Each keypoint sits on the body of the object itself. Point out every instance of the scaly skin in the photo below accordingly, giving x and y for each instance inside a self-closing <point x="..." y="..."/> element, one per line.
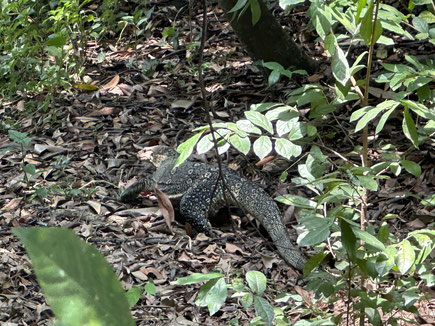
<point x="202" y="196"/>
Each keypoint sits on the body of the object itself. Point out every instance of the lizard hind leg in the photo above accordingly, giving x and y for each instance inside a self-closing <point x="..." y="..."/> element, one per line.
<point x="196" y="205"/>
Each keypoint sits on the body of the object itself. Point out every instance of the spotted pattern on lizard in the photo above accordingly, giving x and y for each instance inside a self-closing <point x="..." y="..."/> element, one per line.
<point x="195" y="185"/>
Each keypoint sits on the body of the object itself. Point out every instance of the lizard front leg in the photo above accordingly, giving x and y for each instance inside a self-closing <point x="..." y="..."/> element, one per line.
<point x="196" y="205"/>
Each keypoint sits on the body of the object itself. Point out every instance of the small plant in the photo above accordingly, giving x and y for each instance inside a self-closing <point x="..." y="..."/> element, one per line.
<point x="214" y="293"/>
<point x="22" y="139"/>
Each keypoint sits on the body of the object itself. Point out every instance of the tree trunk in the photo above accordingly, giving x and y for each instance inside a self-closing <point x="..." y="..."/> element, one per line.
<point x="267" y="40"/>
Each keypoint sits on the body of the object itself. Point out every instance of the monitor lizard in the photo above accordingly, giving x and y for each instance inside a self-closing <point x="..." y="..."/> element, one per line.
<point x="195" y="185"/>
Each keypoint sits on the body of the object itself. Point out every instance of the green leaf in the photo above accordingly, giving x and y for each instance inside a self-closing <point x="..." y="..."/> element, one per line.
<point x="242" y="144"/>
<point x="297" y="201"/>
<point x="369" y="116"/>
<point x="262" y="146"/>
<point x="315" y="235"/>
<point x="205" y="144"/>
<point x="29" y="169"/>
<point x="150" y="288"/>
<point x="197" y="278"/>
<point x="321" y="24"/>
<point x="213" y="295"/>
<point x="367" y="25"/>
<point x="409" y="128"/>
<point x="378" y="31"/>
<point x="368" y="182"/>
<point x="186" y="148"/>
<point x="79" y="285"/>
<point x="420" y="109"/>
<point x="330" y="44"/>
<point x="264" y="309"/>
<point x="239" y="5"/>
<point x="383" y="266"/>
<point x="313" y="262"/>
<point x="383" y="233"/>
<point x="286" y="148"/>
<point x="340" y="66"/>
<point x="260" y="120"/>
<point x="405" y="257"/>
<point x="57" y="39"/>
<point x="285" y="3"/>
<point x="348" y="238"/>
<point x="420" y="25"/>
<point x="273" y="77"/>
<point x="411" y="167"/>
<point x="383" y="119"/>
<point x="368" y="239"/>
<point x="19" y="137"/>
<point x="247" y="126"/>
<point x="256" y="281"/>
<point x="133" y="296"/>
<point x="255" y="11"/>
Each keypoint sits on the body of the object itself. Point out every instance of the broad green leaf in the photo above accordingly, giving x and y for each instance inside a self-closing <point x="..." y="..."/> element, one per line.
<point x="239" y="5"/>
<point x="409" y="128"/>
<point x="378" y="31"/>
<point x="297" y="201"/>
<point x="197" y="278"/>
<point x="368" y="182"/>
<point x="359" y="113"/>
<point x="348" y="238"/>
<point x="367" y="25"/>
<point x="286" y="148"/>
<point x="314" y="236"/>
<point x="133" y="295"/>
<point x="330" y="44"/>
<point x="79" y="285"/>
<point x="272" y="65"/>
<point x="368" y="239"/>
<point x="205" y="144"/>
<point x="213" y="295"/>
<point x="340" y="66"/>
<point x="297" y="131"/>
<point x="150" y="288"/>
<point x="273" y="77"/>
<point x="313" y="262"/>
<point x="384" y="265"/>
<point x="420" y="25"/>
<point x="256" y="281"/>
<point x="247" y="126"/>
<point x="260" y="120"/>
<point x="242" y="144"/>
<point x="186" y="148"/>
<point x="247" y="300"/>
<point x="260" y="107"/>
<point x="420" y="109"/>
<point x="29" y="169"/>
<point x="262" y="146"/>
<point x="321" y="24"/>
<point x="383" y="120"/>
<point x="361" y="5"/>
<point x="412" y="167"/>
<point x="366" y="118"/>
<point x="264" y="309"/>
<point x="383" y="233"/>
<point x="19" y="137"/>
<point x="255" y="11"/>
<point x="405" y="258"/>
<point x="285" y="3"/>
<point x="57" y="39"/>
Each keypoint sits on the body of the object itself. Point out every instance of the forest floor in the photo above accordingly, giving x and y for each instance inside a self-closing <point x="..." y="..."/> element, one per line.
<point x="85" y="149"/>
